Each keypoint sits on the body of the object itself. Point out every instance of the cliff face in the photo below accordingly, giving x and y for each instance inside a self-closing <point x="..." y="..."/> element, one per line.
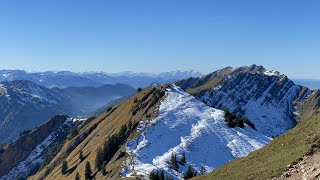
<point x="310" y="105"/>
<point x="267" y="98"/>
<point x="19" y="150"/>
<point x="93" y="136"/>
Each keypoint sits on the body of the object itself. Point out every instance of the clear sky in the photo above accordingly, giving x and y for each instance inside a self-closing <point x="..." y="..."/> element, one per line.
<point x="160" y="35"/>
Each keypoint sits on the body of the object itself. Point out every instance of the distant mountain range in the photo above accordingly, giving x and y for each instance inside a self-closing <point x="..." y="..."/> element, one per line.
<point x="310" y="83"/>
<point x="25" y="105"/>
<point x="63" y="79"/>
<point x="176" y="130"/>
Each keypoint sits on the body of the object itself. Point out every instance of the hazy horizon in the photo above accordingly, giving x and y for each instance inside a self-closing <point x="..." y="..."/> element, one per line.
<point x="150" y="73"/>
<point x="160" y="36"/>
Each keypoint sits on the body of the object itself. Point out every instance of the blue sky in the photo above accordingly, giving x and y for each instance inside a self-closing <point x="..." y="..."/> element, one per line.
<point x="160" y="35"/>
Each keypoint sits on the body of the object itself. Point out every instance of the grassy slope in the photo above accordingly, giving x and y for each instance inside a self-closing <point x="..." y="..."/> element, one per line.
<point x="107" y="124"/>
<point x="273" y="159"/>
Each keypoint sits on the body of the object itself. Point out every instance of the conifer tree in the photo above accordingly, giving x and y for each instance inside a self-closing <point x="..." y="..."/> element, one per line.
<point x="183" y="159"/>
<point x="88" y="171"/>
<point x="154" y="175"/>
<point x="189" y="173"/>
<point x="161" y="175"/>
<point x="99" y="159"/>
<point x="239" y="122"/>
<point x="103" y="169"/>
<point x="77" y="176"/>
<point x="64" y="167"/>
<point x="174" y="163"/>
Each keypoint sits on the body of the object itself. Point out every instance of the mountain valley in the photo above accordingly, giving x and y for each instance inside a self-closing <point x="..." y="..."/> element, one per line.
<point x="232" y="117"/>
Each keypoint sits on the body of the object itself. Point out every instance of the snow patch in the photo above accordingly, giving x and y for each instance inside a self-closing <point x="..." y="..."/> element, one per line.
<point x="272" y="73"/>
<point x="35" y="157"/>
<point x="186" y="125"/>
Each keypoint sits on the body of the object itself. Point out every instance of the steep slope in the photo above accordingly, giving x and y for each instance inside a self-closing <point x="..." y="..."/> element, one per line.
<point x="95" y="134"/>
<point x="281" y="158"/>
<point x="158" y="122"/>
<point x="186" y="125"/>
<point x="168" y="121"/>
<point x="25" y="105"/>
<point x="310" y="106"/>
<point x="267" y="98"/>
<point x="22" y="155"/>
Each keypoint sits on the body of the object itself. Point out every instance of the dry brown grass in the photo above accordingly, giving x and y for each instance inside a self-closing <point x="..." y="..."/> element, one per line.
<point x="106" y="124"/>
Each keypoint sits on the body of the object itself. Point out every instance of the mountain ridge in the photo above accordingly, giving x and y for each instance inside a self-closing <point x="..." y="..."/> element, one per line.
<point x="147" y="110"/>
<point x="25" y="105"/>
<point x="63" y="79"/>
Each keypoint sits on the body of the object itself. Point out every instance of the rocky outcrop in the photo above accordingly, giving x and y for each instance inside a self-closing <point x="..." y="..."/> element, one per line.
<point x="307" y="168"/>
<point x="22" y="147"/>
<point x="267" y="98"/>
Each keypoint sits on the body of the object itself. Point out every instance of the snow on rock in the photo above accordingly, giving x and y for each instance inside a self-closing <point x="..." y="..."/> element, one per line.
<point x="35" y="157"/>
<point x="272" y="73"/>
<point x="264" y="100"/>
<point x="4" y="91"/>
<point x="78" y="120"/>
<point x="186" y="125"/>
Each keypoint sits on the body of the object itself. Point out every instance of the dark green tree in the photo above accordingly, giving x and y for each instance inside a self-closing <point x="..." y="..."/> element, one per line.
<point x="103" y="169"/>
<point x="161" y="175"/>
<point x="183" y="159"/>
<point x="81" y="156"/>
<point x="77" y="176"/>
<point x="129" y="126"/>
<point x="174" y="162"/>
<point x="190" y="173"/>
<point x="231" y="124"/>
<point x="99" y="159"/>
<point x="226" y="113"/>
<point x="239" y="122"/>
<point x="154" y="175"/>
<point x="64" y="167"/>
<point x="88" y="171"/>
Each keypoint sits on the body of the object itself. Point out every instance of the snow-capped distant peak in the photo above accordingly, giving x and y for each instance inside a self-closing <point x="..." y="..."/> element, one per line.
<point x="272" y="73"/>
<point x="187" y="125"/>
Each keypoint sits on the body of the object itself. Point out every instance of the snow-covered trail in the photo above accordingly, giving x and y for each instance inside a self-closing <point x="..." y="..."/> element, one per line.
<point x="187" y="125"/>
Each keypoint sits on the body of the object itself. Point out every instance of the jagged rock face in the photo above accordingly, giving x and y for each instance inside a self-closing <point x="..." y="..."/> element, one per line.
<point x="311" y="105"/>
<point x="22" y="147"/>
<point x="264" y="97"/>
<point x="265" y="100"/>
<point x="187" y="126"/>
